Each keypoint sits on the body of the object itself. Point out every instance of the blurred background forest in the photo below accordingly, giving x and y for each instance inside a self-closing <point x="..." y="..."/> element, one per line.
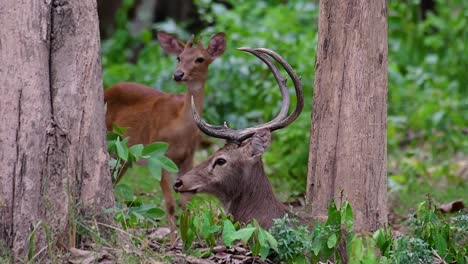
<point x="427" y="75"/>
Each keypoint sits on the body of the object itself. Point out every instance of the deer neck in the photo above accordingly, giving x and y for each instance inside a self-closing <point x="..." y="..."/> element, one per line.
<point x="257" y="200"/>
<point x="197" y="91"/>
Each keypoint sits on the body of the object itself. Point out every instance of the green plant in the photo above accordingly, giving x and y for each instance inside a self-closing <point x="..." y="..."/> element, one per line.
<point x="130" y="210"/>
<point x="410" y="250"/>
<point x="438" y="233"/>
<point x="293" y="239"/>
<point x="123" y="156"/>
<point x="200" y="223"/>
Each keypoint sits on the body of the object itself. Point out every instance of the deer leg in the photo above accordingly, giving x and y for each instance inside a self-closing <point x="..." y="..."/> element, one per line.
<point x="169" y="201"/>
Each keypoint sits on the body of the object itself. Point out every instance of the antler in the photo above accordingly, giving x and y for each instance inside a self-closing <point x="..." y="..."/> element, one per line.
<point x="280" y="121"/>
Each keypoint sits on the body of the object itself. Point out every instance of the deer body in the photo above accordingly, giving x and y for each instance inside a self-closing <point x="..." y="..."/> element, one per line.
<point x="152" y="115"/>
<point x="235" y="173"/>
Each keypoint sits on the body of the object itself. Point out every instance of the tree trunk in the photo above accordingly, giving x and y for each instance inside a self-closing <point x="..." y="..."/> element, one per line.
<point x="348" y="137"/>
<point x="52" y="139"/>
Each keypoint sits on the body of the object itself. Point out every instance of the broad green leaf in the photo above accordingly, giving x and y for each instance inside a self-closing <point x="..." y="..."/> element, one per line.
<point x="316" y="246"/>
<point x="119" y="130"/>
<point x="155" y="213"/>
<point x="132" y="220"/>
<point x="347" y="216"/>
<point x="331" y="242"/>
<point x="111" y="136"/>
<point x="122" y="149"/>
<point x="136" y="150"/>
<point x="119" y="217"/>
<point x="168" y="164"/>
<point x="244" y="234"/>
<point x="155" y="168"/>
<point x="356" y="249"/>
<point x="299" y="260"/>
<point x="156" y="148"/>
<point x="334" y="216"/>
<point x="228" y="231"/>
<point x="267" y="242"/>
<point x="164" y="162"/>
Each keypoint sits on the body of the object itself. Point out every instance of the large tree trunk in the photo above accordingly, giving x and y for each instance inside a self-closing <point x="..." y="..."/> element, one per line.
<point x="348" y="135"/>
<point x="52" y="137"/>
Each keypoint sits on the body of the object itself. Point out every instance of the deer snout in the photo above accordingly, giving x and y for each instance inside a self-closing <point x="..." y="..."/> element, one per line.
<point x="177" y="185"/>
<point x="178" y="75"/>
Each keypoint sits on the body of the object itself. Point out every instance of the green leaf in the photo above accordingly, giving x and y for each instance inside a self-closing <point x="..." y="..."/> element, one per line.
<point x="122" y="149"/>
<point x="123" y="192"/>
<point x="155" y="168"/>
<point x="228" y="231"/>
<point x="331" y="242"/>
<point x="356" y="248"/>
<point x="119" y="130"/>
<point x="186" y="232"/>
<point x="156" y="148"/>
<point x="32" y="241"/>
<point x="132" y="220"/>
<point x="155" y="213"/>
<point x="230" y="234"/>
<point x="168" y="164"/>
<point x="334" y="216"/>
<point x="136" y="150"/>
<point x="347" y="216"/>
<point x="266" y="241"/>
<point x="244" y="234"/>
<point x="300" y="259"/>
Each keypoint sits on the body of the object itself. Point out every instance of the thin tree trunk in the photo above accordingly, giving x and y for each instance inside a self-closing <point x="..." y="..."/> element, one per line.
<point x="52" y="147"/>
<point x="348" y="136"/>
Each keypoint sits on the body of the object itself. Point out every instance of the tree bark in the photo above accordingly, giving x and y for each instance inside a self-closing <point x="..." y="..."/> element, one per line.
<point x="52" y="139"/>
<point x="347" y="156"/>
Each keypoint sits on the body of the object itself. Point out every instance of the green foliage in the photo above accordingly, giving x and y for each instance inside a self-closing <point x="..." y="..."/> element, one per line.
<point x="293" y="239"/>
<point x="200" y="224"/>
<point x="297" y="244"/>
<point x="410" y="250"/>
<point x="427" y="114"/>
<point x="122" y="155"/>
<point x="439" y="234"/>
<point x="130" y="210"/>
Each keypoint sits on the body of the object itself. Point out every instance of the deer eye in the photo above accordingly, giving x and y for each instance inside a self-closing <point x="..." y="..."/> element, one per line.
<point x="199" y="60"/>
<point x="178" y="59"/>
<point x="220" y="162"/>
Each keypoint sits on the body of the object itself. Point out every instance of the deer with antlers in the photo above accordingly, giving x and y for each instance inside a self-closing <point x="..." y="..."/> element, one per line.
<point x="152" y="115"/>
<point x="235" y="173"/>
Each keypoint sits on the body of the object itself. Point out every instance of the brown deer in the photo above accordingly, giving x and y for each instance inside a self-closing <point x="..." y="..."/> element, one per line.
<point x="235" y="172"/>
<point x="152" y="115"/>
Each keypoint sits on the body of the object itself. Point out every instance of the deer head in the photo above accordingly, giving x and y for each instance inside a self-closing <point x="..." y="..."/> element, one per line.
<point x="193" y="61"/>
<point x="235" y="173"/>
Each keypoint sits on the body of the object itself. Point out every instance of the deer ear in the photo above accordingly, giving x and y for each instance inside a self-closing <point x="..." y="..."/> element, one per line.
<point x="217" y="45"/>
<point x="260" y="142"/>
<point x="170" y="44"/>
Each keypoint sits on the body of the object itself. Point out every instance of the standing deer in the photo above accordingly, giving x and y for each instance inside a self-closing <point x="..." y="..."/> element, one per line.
<point x="152" y="115"/>
<point x="235" y="172"/>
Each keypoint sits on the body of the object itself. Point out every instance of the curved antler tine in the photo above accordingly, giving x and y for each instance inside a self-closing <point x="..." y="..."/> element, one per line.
<point x="297" y="86"/>
<point x="200" y="43"/>
<point x="223" y="131"/>
<point x="277" y="123"/>
<point x="279" y="79"/>
<point x="272" y="126"/>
